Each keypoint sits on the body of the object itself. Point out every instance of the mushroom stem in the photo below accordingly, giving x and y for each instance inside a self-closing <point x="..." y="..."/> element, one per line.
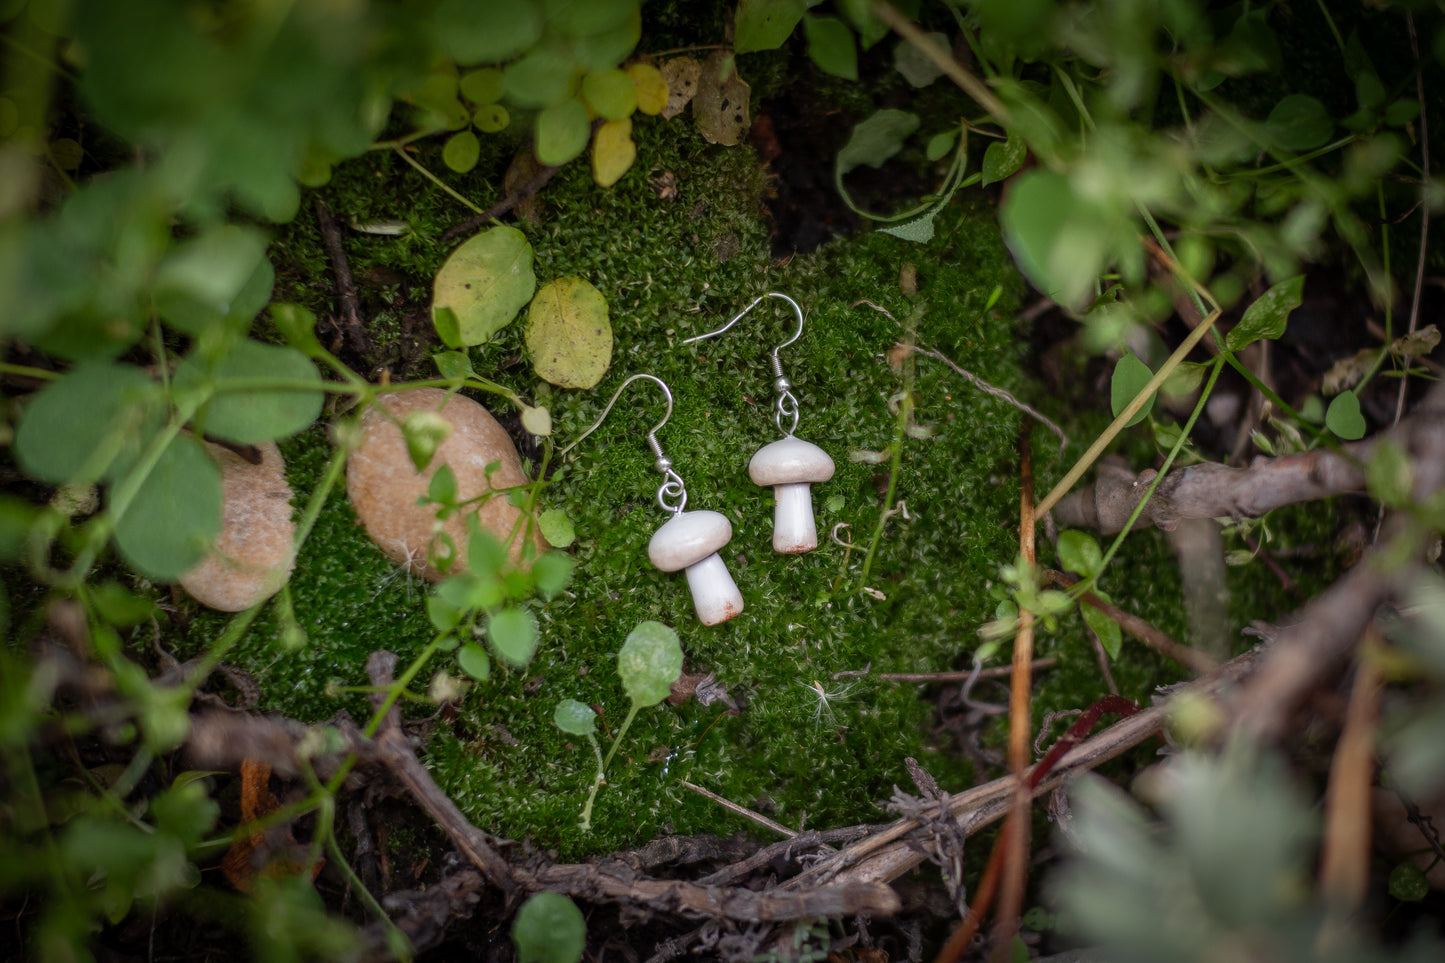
<point x="714" y="593"/>
<point x="794" y="530"/>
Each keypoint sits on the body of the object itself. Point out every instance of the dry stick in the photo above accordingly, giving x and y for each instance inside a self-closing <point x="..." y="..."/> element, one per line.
<point x="962" y="675"/>
<point x="1192" y="659"/>
<point x="1345" y="862"/>
<point x="741" y="810"/>
<point x="971" y="85"/>
<point x="890" y="853"/>
<point x="1020" y="736"/>
<point x="345" y="286"/>
<point x="611" y="882"/>
<point x="1125" y="416"/>
<point x="993" y="390"/>
<point x="538" y="181"/>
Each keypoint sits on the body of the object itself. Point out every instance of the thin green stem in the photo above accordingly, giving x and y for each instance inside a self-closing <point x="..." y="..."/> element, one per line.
<point x="25" y="371"/>
<point x="617" y="740"/>
<point x="436" y="180"/>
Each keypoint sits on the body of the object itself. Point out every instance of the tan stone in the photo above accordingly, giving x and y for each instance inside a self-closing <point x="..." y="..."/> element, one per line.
<point x="252" y="557"/>
<point x="384" y="485"/>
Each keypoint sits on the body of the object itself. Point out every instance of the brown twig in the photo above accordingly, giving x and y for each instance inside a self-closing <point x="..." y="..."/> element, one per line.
<point x="994" y="391"/>
<point x="345" y="286"/>
<point x="1192" y="659"/>
<point x="538" y="181"/>
<point x="1345" y="859"/>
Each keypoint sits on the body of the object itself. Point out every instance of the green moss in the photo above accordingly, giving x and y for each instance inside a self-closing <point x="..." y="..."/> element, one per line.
<point x="671" y="269"/>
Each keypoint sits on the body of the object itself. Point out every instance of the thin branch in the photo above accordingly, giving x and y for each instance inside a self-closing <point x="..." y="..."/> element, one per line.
<point x="1424" y="208"/>
<point x="740" y="810"/>
<point x="1192" y="659"/>
<point x="995" y="391"/>
<point x="345" y="286"/>
<point x="538" y="181"/>
<point x="970" y="84"/>
<point x="962" y="675"/>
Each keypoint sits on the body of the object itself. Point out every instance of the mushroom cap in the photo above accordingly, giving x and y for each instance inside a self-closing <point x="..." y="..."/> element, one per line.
<point x="688" y="538"/>
<point x="790" y="461"/>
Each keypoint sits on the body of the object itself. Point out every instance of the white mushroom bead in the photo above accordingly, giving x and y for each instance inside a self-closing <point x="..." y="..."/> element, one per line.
<point x="791" y="465"/>
<point x="691" y="541"/>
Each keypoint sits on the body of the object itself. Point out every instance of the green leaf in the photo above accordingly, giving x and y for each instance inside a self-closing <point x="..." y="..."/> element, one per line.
<point x="453" y="365"/>
<point x="424" y="431"/>
<point x="1080" y="553"/>
<point x="1267" y="317"/>
<point x="546" y="76"/>
<point x="474" y="661"/>
<point x="608" y="48"/>
<point x="176" y="514"/>
<point x="88" y="424"/>
<point x="1402" y="112"/>
<point x="461" y="151"/>
<point x="250" y="415"/>
<point x="513" y="634"/>
<point x="1060" y="241"/>
<point x="1002" y="159"/>
<point x="482" y="86"/>
<point x="831" y="47"/>
<point x="549" y="929"/>
<point x="552" y="571"/>
<point x="1388" y="474"/>
<point x="221" y="274"/>
<point x="1130" y="377"/>
<point x="1299" y="122"/>
<point x="119" y="607"/>
<point x="939" y="145"/>
<point x="1110" y="636"/>
<point x="860" y="14"/>
<point x="298" y="326"/>
<point x="562" y="132"/>
<point x="486" y="555"/>
<point x="649" y="663"/>
<point x="919" y="230"/>
<point x="569" y="334"/>
<point x="557" y="528"/>
<point x="484" y="283"/>
<point x="1343" y="416"/>
<point x="498" y="32"/>
<point x="444" y="615"/>
<point x="875" y="139"/>
<point x="610" y="93"/>
<point x="442" y="489"/>
<point x="575" y="717"/>
<point x="1408" y="883"/>
<point x="491" y="118"/>
<point x="915" y="66"/>
<point x="765" y="24"/>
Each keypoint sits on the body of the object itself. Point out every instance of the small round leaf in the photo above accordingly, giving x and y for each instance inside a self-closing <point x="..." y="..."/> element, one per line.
<point x="557" y="528"/>
<point x="461" y="151"/>
<point x="96" y="409"/>
<point x="474" y="662"/>
<point x="249" y="415"/>
<point x="483" y="285"/>
<point x="1079" y="552"/>
<point x="651" y="87"/>
<point x="491" y="118"/>
<point x="569" y="334"/>
<point x="1408" y="883"/>
<point x="549" y="929"/>
<point x="482" y="86"/>
<point x="513" y="634"/>
<point x="537" y="420"/>
<point x="1130" y="377"/>
<point x="610" y="94"/>
<point x="575" y="717"/>
<point x="649" y="663"/>
<point x="1344" y="418"/>
<point x="613" y="151"/>
<point x="562" y="132"/>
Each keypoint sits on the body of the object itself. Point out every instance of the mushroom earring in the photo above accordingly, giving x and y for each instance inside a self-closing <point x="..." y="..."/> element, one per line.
<point x="689" y="540"/>
<point x="790" y="465"/>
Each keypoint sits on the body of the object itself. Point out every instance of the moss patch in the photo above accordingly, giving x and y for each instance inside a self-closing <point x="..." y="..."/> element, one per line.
<point x="670" y="269"/>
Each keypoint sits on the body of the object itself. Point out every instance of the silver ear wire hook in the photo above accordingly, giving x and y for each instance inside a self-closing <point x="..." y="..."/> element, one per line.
<point x="785" y="406"/>
<point x="672" y="489"/>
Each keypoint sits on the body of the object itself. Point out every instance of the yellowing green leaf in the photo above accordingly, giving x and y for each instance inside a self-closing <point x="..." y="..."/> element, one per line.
<point x="720" y="106"/>
<point x="652" y="92"/>
<point x="491" y="118"/>
<point x="461" y="151"/>
<point x="612" y="151"/>
<point x="482" y="86"/>
<point x="610" y="94"/>
<point x="482" y="286"/>
<point x="569" y="334"/>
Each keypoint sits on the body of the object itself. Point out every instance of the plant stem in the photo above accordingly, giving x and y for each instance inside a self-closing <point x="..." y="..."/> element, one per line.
<point x="617" y="739"/>
<point x="436" y="180"/>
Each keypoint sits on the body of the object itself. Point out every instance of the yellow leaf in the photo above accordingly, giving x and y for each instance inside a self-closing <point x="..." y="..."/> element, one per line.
<point x="569" y="334"/>
<point x="612" y="151"/>
<point x="652" y="92"/>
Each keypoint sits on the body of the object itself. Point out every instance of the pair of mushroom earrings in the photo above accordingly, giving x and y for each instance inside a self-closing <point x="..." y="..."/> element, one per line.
<point x="693" y="540"/>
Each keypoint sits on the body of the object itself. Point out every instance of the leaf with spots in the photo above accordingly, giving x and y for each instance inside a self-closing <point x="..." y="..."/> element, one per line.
<point x="569" y="333"/>
<point x="720" y="107"/>
<point x="482" y="286"/>
<point x="681" y="75"/>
